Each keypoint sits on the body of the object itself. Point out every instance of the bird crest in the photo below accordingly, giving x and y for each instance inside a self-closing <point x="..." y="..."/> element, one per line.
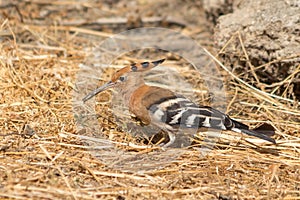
<point x="136" y="67"/>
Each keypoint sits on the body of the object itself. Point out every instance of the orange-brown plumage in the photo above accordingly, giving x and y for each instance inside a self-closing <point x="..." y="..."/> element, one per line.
<point x="119" y="73"/>
<point x="143" y="98"/>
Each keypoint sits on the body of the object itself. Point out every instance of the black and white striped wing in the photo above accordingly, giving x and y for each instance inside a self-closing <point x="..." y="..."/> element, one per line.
<point x="179" y="112"/>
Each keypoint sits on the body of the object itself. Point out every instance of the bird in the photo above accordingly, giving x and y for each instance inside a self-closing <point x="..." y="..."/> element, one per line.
<point x="169" y="111"/>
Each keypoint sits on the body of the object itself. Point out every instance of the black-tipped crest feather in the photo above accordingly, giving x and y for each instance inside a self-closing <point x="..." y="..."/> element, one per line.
<point x="157" y="62"/>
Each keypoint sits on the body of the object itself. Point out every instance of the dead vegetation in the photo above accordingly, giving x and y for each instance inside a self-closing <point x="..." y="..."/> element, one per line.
<point x="41" y="155"/>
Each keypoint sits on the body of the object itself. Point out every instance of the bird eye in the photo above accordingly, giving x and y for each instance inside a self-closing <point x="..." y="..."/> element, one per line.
<point x="122" y="78"/>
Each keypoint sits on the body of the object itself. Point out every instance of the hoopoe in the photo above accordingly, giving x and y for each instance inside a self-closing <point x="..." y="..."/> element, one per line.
<point x="167" y="110"/>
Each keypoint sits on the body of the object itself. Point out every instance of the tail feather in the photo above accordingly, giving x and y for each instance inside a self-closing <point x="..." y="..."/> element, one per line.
<point x="238" y="125"/>
<point x="265" y="129"/>
<point x="258" y="135"/>
<point x="263" y="132"/>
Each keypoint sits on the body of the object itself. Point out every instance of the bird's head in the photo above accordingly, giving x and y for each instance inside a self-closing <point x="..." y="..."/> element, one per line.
<point x="123" y="76"/>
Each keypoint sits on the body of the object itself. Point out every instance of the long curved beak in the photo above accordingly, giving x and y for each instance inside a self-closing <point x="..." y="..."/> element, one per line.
<point x="98" y="90"/>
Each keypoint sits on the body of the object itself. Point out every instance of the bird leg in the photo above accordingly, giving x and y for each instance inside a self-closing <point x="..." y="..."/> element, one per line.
<point x="172" y="139"/>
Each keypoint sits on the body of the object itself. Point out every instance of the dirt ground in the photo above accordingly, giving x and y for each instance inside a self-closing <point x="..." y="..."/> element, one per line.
<point x="46" y="44"/>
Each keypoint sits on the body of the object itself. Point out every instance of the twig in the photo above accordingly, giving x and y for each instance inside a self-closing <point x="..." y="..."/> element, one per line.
<point x="123" y="21"/>
<point x="247" y="58"/>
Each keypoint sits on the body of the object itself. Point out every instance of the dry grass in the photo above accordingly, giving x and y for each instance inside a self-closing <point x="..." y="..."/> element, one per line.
<point x="42" y="157"/>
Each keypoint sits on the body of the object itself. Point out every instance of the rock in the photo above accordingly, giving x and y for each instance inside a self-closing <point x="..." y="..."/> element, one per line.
<point x="270" y="32"/>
